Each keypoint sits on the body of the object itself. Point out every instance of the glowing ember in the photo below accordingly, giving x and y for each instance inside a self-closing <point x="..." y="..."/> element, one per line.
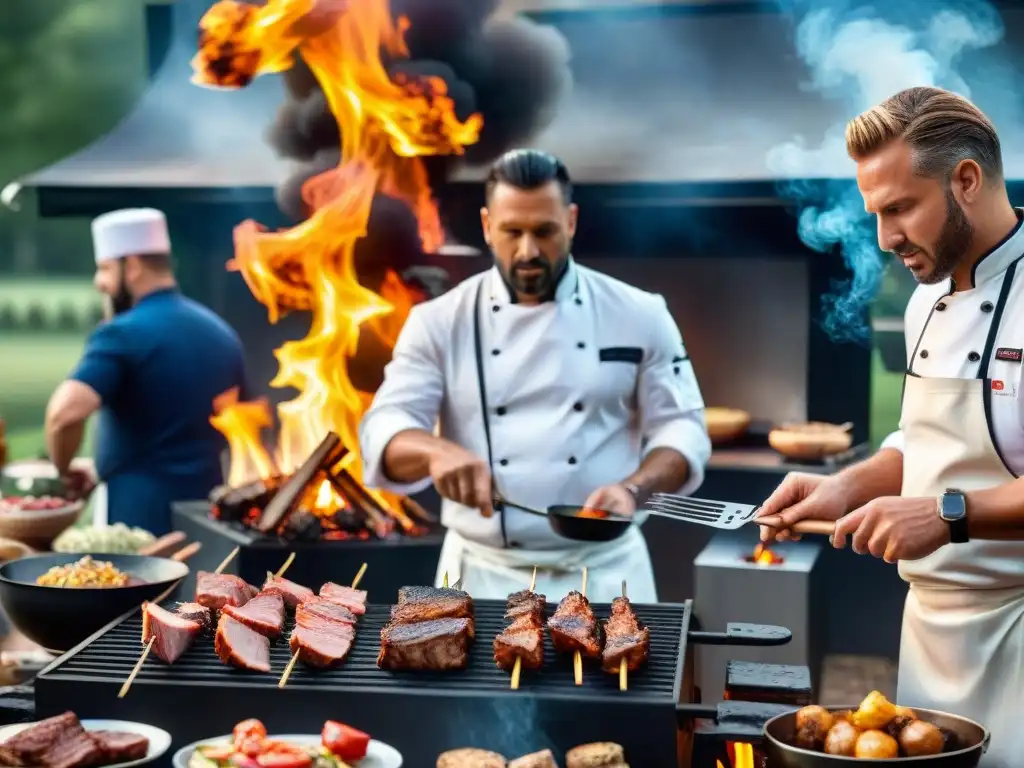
<point x="762" y="555"/>
<point x="741" y="755"/>
<point x="386" y="127"/>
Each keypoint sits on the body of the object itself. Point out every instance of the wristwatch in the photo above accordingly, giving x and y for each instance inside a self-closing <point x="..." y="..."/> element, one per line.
<point x="953" y="510"/>
<point x="639" y="495"/>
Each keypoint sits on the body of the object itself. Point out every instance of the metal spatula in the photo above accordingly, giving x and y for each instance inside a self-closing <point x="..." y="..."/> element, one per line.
<point x="724" y="515"/>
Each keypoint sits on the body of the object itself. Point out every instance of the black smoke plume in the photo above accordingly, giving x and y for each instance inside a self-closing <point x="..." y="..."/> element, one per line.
<point x="512" y="71"/>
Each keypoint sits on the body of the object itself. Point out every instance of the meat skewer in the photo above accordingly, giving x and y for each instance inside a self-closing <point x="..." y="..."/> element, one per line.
<point x="149" y="646"/>
<point x="297" y="651"/>
<point x="627" y="642"/>
<point x="523" y="613"/>
<point x="574" y="629"/>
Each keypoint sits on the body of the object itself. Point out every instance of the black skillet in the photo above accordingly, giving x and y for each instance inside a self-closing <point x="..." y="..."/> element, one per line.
<point x="59" y="618"/>
<point x="566" y="521"/>
<point x="967" y="744"/>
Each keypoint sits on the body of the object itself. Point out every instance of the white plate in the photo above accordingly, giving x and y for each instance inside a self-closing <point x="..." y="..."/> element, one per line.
<point x="378" y="754"/>
<point x="159" y="739"/>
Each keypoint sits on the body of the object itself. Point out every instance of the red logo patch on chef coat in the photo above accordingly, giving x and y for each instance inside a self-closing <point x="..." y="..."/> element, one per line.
<point x="997" y="385"/>
<point x="1010" y="355"/>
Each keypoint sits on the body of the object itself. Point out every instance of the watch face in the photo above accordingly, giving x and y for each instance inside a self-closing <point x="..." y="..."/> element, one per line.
<point x="954" y="506"/>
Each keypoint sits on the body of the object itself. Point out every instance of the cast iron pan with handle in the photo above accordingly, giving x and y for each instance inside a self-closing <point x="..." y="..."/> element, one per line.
<point x="59" y="618"/>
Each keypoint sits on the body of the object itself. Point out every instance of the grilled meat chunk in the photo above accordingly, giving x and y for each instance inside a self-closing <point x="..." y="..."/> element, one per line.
<point x="197" y="612"/>
<point x="524" y="637"/>
<point x="603" y="754"/>
<point x="121" y="747"/>
<point x="72" y="749"/>
<point x="326" y="609"/>
<point x="353" y="599"/>
<point x="573" y="626"/>
<point x="440" y="644"/>
<point x="29" y="746"/>
<point x="293" y="594"/>
<point x="215" y="590"/>
<point x="624" y="638"/>
<point x="470" y="758"/>
<point x="323" y="634"/>
<point x="240" y="646"/>
<point x="428" y="603"/>
<point x="264" y="614"/>
<point x="171" y="633"/>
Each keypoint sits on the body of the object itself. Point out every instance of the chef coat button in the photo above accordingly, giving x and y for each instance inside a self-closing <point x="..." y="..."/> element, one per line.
<point x="577" y="406"/>
<point x="940" y="306"/>
<point x="675" y="370"/>
<point x="924" y="353"/>
<point x="973" y="357"/>
<point x="986" y="306"/>
<point x="580" y="345"/>
<point x="500" y="410"/>
<point x="495" y="352"/>
<point x="572" y="459"/>
<point x="504" y="462"/>
<point x="579" y="302"/>
<point x="495" y="308"/>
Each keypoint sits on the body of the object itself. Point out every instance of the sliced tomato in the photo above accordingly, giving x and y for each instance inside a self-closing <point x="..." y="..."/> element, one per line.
<point x="344" y="741"/>
<point x="243" y="761"/>
<point x="248" y="729"/>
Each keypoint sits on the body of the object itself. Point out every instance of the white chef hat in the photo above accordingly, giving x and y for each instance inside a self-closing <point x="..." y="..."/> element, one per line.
<point x="128" y="232"/>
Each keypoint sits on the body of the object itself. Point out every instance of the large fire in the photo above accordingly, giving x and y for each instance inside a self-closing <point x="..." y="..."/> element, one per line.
<point x="741" y="755"/>
<point x="386" y="126"/>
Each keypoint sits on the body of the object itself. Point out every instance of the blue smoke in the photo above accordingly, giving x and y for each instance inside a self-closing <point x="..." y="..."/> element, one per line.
<point x="860" y="55"/>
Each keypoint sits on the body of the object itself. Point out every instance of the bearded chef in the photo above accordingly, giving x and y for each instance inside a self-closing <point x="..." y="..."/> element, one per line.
<point x="550" y="383"/>
<point x="942" y="497"/>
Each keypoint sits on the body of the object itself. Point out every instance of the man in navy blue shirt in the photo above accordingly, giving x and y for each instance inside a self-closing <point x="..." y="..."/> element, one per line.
<point x="152" y="371"/>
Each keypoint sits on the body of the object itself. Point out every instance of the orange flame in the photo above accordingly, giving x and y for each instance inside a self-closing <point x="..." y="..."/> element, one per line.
<point x="741" y="755"/>
<point x="764" y="556"/>
<point x="386" y="127"/>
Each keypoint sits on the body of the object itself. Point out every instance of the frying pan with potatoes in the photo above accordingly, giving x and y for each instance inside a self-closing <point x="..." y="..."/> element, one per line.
<point x="876" y="730"/>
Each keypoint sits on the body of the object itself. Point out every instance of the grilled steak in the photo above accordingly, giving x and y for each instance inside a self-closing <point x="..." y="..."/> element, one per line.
<point x="73" y="748"/>
<point x="470" y="758"/>
<point x="322" y="643"/>
<point x="543" y="759"/>
<point x="171" y="633"/>
<point x="353" y="599"/>
<point x="624" y="638"/>
<point x="290" y="592"/>
<point x="121" y="747"/>
<point x="573" y="626"/>
<point x="215" y="590"/>
<point x="325" y="609"/>
<point x="603" y="754"/>
<point x="197" y="612"/>
<point x="240" y="646"/>
<point x="28" y="746"/>
<point x="427" y="603"/>
<point x="437" y="645"/>
<point x="264" y="614"/>
<point x="524" y="637"/>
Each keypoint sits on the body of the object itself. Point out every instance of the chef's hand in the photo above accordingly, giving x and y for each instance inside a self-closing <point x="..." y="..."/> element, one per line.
<point x="893" y="528"/>
<point x="803" y="496"/>
<point x="464" y="478"/>
<point x="612" y="498"/>
<point x="78" y="484"/>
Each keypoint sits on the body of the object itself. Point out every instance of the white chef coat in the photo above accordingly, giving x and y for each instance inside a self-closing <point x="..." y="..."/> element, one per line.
<point x="578" y="391"/>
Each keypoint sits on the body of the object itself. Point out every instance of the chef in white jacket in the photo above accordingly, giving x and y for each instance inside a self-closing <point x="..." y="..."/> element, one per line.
<point x="549" y="383"/>
<point x="943" y="496"/>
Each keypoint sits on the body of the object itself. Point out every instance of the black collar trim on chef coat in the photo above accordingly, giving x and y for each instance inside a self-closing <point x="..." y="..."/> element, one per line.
<point x="562" y="289"/>
<point x="995" y="261"/>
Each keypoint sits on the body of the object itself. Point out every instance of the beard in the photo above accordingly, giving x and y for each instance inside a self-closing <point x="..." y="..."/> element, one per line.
<point x="954" y="242"/>
<point x="121" y="300"/>
<point x="540" y="285"/>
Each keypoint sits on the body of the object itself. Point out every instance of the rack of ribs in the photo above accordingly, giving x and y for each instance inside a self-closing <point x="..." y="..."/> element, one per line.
<point x="431" y="628"/>
<point x="524" y="637"/>
<point x="625" y="638"/>
<point x="573" y="626"/>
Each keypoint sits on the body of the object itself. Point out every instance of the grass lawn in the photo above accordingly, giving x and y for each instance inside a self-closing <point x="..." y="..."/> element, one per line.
<point x="886" y="393"/>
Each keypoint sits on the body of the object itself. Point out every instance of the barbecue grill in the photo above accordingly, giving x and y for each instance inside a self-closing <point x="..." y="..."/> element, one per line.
<point x="422" y="714"/>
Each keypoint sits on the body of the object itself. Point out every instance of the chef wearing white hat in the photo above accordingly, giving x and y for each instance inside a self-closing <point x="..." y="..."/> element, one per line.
<point x="152" y="371"/>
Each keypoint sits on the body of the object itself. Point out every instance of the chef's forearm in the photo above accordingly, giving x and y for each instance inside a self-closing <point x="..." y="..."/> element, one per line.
<point x="997" y="513"/>
<point x="881" y="475"/>
<point x="63" y="442"/>
<point x="663" y="470"/>
<point x="408" y="455"/>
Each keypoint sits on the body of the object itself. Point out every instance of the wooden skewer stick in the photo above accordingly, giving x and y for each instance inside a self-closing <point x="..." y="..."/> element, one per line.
<point x="517" y="669"/>
<point x="286" y="566"/>
<point x="577" y="658"/>
<point x="149" y="646"/>
<point x="295" y="656"/>
<point x="445" y="582"/>
<point x="622" y="662"/>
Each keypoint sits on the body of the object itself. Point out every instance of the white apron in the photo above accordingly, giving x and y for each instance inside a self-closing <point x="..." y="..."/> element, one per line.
<point x="492" y="573"/>
<point x="962" y="643"/>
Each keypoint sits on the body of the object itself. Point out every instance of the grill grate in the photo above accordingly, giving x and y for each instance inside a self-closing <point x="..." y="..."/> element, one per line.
<point x="111" y="656"/>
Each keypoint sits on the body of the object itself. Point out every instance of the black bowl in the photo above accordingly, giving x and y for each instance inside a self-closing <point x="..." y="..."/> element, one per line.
<point x="971" y="741"/>
<point x="59" y="618"/>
